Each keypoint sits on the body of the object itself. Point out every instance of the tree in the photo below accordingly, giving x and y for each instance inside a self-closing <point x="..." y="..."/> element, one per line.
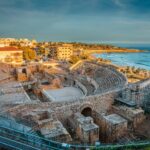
<point x="84" y="56"/>
<point x="41" y="50"/>
<point x="28" y="53"/>
<point x="74" y="59"/>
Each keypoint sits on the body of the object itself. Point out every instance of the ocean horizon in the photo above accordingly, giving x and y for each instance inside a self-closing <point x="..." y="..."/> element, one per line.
<point x="138" y="60"/>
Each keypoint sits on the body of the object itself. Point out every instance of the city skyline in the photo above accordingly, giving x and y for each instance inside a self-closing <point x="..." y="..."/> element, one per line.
<point x="111" y="21"/>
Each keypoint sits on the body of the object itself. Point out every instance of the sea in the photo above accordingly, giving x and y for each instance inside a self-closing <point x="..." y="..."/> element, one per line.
<point x="138" y="60"/>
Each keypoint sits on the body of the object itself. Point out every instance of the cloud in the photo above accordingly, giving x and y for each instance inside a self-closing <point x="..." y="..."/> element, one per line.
<point x="75" y="20"/>
<point x="119" y="3"/>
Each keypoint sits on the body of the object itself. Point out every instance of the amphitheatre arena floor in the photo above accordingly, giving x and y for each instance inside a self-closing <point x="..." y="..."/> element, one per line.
<point x="64" y="94"/>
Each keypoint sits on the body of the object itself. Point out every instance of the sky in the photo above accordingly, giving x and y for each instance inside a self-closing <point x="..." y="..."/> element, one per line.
<point x="100" y="21"/>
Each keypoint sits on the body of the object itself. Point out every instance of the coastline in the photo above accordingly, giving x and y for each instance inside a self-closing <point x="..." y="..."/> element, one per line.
<point x="114" y="51"/>
<point x="133" y="73"/>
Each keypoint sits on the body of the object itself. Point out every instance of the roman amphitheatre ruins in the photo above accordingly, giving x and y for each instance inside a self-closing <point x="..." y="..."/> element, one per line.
<point x="86" y="104"/>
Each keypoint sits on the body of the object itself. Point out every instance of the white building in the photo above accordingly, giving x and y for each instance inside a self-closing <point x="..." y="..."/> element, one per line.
<point x="64" y="52"/>
<point x="11" y="55"/>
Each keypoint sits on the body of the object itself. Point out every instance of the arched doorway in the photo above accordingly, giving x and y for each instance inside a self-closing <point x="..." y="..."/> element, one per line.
<point x="87" y="112"/>
<point x="24" y="70"/>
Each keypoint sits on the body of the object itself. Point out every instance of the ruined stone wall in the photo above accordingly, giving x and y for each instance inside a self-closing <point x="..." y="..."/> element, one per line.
<point x="22" y="77"/>
<point x="98" y="119"/>
<point x="114" y="132"/>
<point x="81" y="86"/>
<point x="33" y="68"/>
<point x="23" y="73"/>
<point x="109" y="132"/>
<point x="138" y="92"/>
<point x="134" y="119"/>
<point x="138" y="120"/>
<point x="100" y="103"/>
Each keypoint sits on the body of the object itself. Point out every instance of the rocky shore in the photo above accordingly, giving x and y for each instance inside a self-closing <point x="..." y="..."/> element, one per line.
<point x="133" y="74"/>
<point x="113" y="51"/>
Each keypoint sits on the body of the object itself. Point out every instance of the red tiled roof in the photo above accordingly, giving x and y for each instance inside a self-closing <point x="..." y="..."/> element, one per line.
<point x="9" y="49"/>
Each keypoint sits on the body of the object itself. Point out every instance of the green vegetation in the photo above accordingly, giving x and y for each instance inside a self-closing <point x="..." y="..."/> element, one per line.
<point x="74" y="59"/>
<point x="28" y="54"/>
<point x="147" y="148"/>
<point x="128" y="147"/>
<point x="79" y="45"/>
<point x="41" y="51"/>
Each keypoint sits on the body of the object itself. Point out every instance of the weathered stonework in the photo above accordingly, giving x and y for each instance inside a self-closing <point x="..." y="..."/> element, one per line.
<point x="112" y="127"/>
<point x="133" y="115"/>
<point x="100" y="103"/>
<point x="136" y="94"/>
<point x="91" y="112"/>
<point x="85" y="129"/>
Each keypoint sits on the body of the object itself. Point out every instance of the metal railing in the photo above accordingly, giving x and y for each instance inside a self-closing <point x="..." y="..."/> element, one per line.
<point x="13" y="138"/>
<point x="17" y="139"/>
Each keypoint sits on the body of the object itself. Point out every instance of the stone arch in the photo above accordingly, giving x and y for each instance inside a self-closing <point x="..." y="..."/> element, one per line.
<point x="24" y="70"/>
<point x="86" y="109"/>
<point x="87" y="112"/>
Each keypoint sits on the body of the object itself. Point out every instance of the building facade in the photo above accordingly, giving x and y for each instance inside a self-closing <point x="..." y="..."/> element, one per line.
<point x="64" y="52"/>
<point x="11" y="55"/>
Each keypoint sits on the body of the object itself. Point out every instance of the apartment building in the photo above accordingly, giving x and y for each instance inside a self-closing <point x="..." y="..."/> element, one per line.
<point x="64" y="52"/>
<point x="11" y="55"/>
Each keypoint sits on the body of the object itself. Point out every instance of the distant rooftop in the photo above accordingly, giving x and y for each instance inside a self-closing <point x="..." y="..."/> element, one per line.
<point x="9" y="48"/>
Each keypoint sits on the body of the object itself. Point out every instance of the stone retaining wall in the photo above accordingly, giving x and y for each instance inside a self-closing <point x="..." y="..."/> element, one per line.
<point x="100" y="103"/>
